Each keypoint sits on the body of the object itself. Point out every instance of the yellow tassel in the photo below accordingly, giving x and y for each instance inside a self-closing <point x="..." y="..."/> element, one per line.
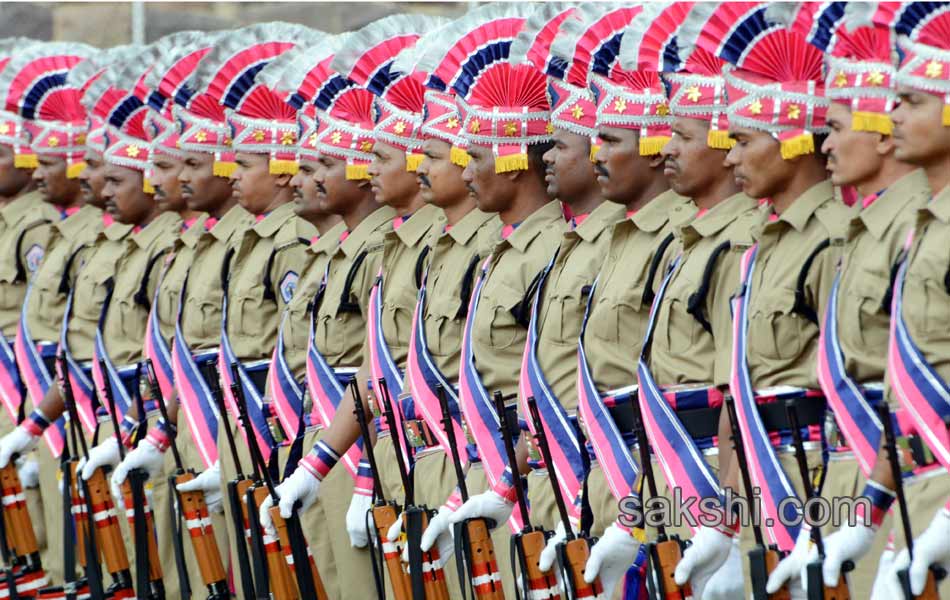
<point x="946" y="115"/>
<point x="73" y="170"/>
<point x="357" y="171"/>
<point x="283" y="167"/>
<point x="653" y="144"/>
<point x="26" y="161"/>
<point x="719" y="139"/>
<point x="459" y="157"/>
<point x="223" y="168"/>
<point x="797" y="146"/>
<point x="511" y="162"/>
<point x="869" y="121"/>
<point x="413" y="161"/>
<point x="594" y="149"/>
<point x="147" y="186"/>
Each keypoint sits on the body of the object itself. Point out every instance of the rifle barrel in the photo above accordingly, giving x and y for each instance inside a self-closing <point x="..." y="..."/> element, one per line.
<point x="512" y="458"/>
<point x="367" y="443"/>
<point x="741" y="462"/>
<point x="449" y="427"/>
<point x="541" y="437"/>
<point x="160" y="399"/>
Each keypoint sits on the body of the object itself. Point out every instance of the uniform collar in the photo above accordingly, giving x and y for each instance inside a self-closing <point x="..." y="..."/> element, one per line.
<point x="87" y="216"/>
<point x="274" y="220"/>
<point x="939" y="206"/>
<point x="879" y="216"/>
<point x="194" y="231"/>
<point x="117" y="231"/>
<point x="328" y="241"/>
<point x="412" y="230"/>
<point x="21" y="206"/>
<point x="657" y="212"/>
<point x="373" y="221"/>
<point x="720" y="216"/>
<point x="598" y="220"/>
<point x="803" y="208"/>
<point x="531" y="227"/>
<point x="236" y="218"/>
<point x="463" y="231"/>
<point x="165" y="225"/>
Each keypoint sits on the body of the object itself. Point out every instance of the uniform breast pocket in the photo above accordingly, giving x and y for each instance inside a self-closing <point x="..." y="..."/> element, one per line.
<point x="398" y="307"/>
<point x="495" y="325"/>
<point x="330" y="333"/>
<point x="251" y="316"/>
<point x="617" y="318"/>
<point x="775" y="331"/>
<point x="864" y="301"/>
<point x="934" y="307"/>
<point x="566" y="310"/>
<point x="443" y="331"/>
<point x="681" y="329"/>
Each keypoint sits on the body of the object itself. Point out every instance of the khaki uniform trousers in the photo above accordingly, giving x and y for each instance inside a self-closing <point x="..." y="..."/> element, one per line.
<point x="604" y="507"/>
<point x="229" y="472"/>
<point x="541" y="503"/>
<point x="926" y="494"/>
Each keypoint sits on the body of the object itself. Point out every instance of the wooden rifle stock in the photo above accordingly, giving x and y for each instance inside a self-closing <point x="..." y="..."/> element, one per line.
<point x="78" y="511"/>
<point x="20" y="534"/>
<point x="154" y="562"/>
<point x="384" y="515"/>
<point x="282" y="584"/>
<point x="433" y="577"/>
<point x="574" y="554"/>
<point x="108" y="534"/>
<point x="283" y="536"/>
<point x="198" y="522"/>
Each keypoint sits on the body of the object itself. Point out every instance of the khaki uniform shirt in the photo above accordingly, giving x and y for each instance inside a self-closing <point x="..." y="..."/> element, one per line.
<point x="563" y="299"/>
<point x="297" y="319"/>
<point x="498" y="338"/>
<point x="926" y="298"/>
<point x="621" y="306"/>
<point x="174" y="271"/>
<point x="876" y="236"/>
<point x="24" y="237"/>
<point x="402" y="269"/>
<point x="264" y="272"/>
<point x="136" y="278"/>
<point x="340" y="322"/>
<point x="201" y="315"/>
<point x="682" y="351"/>
<point x="453" y="263"/>
<point x="782" y="342"/>
<point x="51" y="282"/>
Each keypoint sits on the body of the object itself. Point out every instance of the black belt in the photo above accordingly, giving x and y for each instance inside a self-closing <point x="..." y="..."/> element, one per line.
<point x="704" y="422"/>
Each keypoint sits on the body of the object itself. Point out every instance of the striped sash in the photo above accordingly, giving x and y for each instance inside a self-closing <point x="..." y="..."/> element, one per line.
<point x="109" y="375"/>
<point x="84" y="394"/>
<point x="156" y="346"/>
<point x="764" y="468"/>
<point x="11" y="387"/>
<point x="286" y="392"/>
<point x="679" y="456"/>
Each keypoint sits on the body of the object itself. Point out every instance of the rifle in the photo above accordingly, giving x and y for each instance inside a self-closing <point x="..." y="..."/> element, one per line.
<point x="191" y="506"/>
<point x="106" y="537"/>
<point x="290" y="536"/>
<point x="574" y="551"/>
<point x="762" y="559"/>
<point x="384" y="512"/>
<point x="935" y="573"/>
<point x="19" y="535"/>
<point x="473" y="542"/>
<point x="425" y="584"/>
<point x="527" y="544"/>
<point x="666" y="550"/>
<point x="816" y="583"/>
<point x="147" y="564"/>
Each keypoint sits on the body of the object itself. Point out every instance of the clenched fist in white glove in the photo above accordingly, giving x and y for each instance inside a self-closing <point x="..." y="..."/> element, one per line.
<point x="301" y="486"/>
<point x="549" y="554"/>
<point x="932" y="547"/>
<point x="356" y="525"/>
<point x="439" y="532"/>
<point x="724" y="583"/>
<point x="105" y="454"/>
<point x="487" y="505"/>
<point x="848" y="543"/>
<point x="145" y="456"/>
<point x="610" y="558"/>
<point x="886" y="586"/>
<point x="208" y="482"/>
<point x="28" y="470"/>
<point x="18" y="441"/>
<point x="792" y="568"/>
<point x="709" y="550"/>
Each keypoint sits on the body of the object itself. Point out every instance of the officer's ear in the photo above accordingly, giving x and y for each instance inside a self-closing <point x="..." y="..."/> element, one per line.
<point x="283" y="180"/>
<point x="656" y="161"/>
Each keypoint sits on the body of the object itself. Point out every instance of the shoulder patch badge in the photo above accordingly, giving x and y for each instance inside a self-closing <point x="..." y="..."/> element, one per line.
<point x="34" y="256"/>
<point x="288" y="284"/>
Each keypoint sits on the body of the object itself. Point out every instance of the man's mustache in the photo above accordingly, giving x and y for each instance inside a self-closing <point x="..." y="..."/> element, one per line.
<point x="601" y="170"/>
<point x="424" y="181"/>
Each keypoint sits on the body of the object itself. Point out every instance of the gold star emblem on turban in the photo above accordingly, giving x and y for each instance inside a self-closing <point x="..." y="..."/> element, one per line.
<point x="259" y="135"/>
<point x="399" y="127"/>
<point x="662" y="110"/>
<point x="453" y="123"/>
<point x="755" y="108"/>
<point x="794" y="111"/>
<point x="549" y="128"/>
<point x="201" y="136"/>
<point x="693" y="93"/>
<point x="841" y="79"/>
<point x="288" y="138"/>
<point x="4" y="129"/>
<point x="335" y="137"/>
<point x="132" y="151"/>
<point x="53" y="141"/>
<point x="577" y="112"/>
<point x="366" y="146"/>
<point x="312" y="139"/>
<point x="81" y="139"/>
<point x="875" y="78"/>
<point x="178" y="144"/>
<point x="474" y="126"/>
<point x="511" y="128"/>
<point x="934" y="69"/>
<point x="620" y="105"/>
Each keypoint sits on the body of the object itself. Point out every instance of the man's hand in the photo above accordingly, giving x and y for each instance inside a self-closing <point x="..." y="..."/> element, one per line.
<point x="301" y="486"/>
<point x="18" y="441"/>
<point x="105" y="454"/>
<point x="356" y="526"/>
<point x="709" y="550"/>
<point x="145" y="456"/>
<point x="932" y="547"/>
<point x="487" y="505"/>
<point x="208" y="482"/>
<point x="610" y="558"/>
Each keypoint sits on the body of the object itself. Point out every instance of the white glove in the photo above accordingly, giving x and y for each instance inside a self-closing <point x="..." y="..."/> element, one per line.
<point x="302" y="486"/>
<point x="848" y="543"/>
<point x="28" y="470"/>
<point x="487" y="505"/>
<point x="356" y="521"/>
<point x="932" y="547"/>
<point x="792" y="568"/>
<point x="18" y="441"/>
<point x="549" y="554"/>
<point x="439" y="531"/>
<point x="886" y="586"/>
<point x="724" y="584"/>
<point x="145" y="456"/>
<point x="209" y="482"/>
<point x="708" y="552"/>
<point x="105" y="454"/>
<point x="610" y="558"/>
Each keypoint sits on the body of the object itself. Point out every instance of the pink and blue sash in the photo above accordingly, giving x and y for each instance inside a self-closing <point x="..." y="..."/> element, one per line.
<point x="157" y="350"/>
<point x="11" y="387"/>
<point x="82" y="386"/>
<point x="679" y="456"/>
<point x="566" y="448"/>
<point x="194" y="396"/>
<point x="36" y="376"/>
<point x="286" y="392"/>
<point x="104" y="372"/>
<point x="854" y="413"/>
<point x="477" y="409"/>
<point x="764" y="468"/>
<point x="611" y="449"/>
<point x="921" y="390"/>
<point x="425" y="377"/>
